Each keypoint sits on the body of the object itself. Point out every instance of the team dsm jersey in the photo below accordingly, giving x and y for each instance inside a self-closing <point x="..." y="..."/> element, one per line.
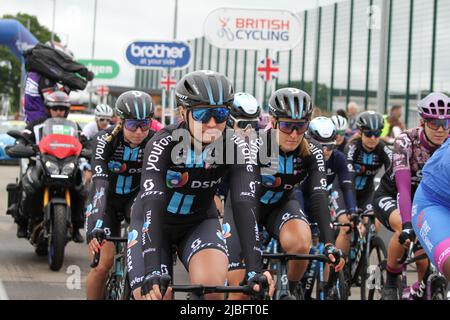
<point x="116" y="168"/>
<point x="281" y="174"/>
<point x="178" y="187"/>
<point x="363" y="165"/>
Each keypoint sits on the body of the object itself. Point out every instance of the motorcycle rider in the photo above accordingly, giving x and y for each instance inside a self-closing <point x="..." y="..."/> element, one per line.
<point x="57" y="106"/>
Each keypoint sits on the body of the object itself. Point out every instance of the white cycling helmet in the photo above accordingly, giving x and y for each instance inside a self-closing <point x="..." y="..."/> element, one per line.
<point x="340" y="122"/>
<point x="103" y="111"/>
<point x="322" y="129"/>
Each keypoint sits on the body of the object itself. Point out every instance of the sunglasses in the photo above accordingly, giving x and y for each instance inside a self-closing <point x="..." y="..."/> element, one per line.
<point x="328" y="146"/>
<point x="203" y="115"/>
<point x="103" y="120"/>
<point x="435" y="124"/>
<point x="370" y="133"/>
<point x="245" y="124"/>
<point x="57" y="108"/>
<point x="133" y="125"/>
<point x="289" y="127"/>
<point x="340" y="132"/>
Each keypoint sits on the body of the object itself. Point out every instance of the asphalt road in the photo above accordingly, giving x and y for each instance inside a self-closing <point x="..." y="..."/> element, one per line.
<point x="24" y="275"/>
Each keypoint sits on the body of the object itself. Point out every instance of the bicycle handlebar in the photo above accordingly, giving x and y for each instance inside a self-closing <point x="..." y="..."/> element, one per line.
<point x="288" y="256"/>
<point x="200" y="289"/>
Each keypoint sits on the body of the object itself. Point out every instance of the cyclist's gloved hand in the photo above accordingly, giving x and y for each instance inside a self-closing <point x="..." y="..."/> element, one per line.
<point x="336" y="256"/>
<point x="95" y="239"/>
<point x="155" y="286"/>
<point x="261" y="284"/>
<point x="407" y="235"/>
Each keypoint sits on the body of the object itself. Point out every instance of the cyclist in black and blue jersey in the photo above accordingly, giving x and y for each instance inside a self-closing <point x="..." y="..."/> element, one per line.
<point x="339" y="184"/>
<point x="244" y="120"/>
<point x="175" y="207"/>
<point x="341" y="124"/>
<point x="292" y="160"/>
<point x="366" y="154"/>
<point x="116" y="164"/>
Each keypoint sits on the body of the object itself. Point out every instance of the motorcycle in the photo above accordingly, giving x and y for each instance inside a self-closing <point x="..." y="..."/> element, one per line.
<point x="56" y="158"/>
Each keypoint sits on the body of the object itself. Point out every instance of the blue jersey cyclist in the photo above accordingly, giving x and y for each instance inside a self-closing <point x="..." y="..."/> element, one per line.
<point x="175" y="207"/>
<point x="339" y="182"/>
<point x="116" y="163"/>
<point x="292" y="160"/>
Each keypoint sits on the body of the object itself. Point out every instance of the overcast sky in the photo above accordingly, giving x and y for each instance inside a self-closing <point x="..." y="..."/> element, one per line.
<point x="119" y="22"/>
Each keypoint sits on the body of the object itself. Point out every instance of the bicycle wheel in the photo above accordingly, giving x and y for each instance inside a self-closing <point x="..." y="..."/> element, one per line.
<point x="376" y="269"/>
<point x="439" y="288"/>
<point x="336" y="286"/>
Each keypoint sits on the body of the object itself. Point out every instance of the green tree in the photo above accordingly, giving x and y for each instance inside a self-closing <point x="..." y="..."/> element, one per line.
<point x="10" y="69"/>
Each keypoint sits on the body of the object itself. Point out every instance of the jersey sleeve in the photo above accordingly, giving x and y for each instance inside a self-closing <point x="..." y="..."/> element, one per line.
<point x="102" y="150"/>
<point x="345" y="182"/>
<point x="318" y="192"/>
<point x="402" y="171"/>
<point x="244" y="192"/>
<point x="153" y="195"/>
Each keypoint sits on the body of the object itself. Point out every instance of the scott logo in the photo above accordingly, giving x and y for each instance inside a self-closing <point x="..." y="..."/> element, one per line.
<point x="148" y="184"/>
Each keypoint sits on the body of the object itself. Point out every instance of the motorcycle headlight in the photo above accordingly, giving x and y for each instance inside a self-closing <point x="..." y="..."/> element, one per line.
<point x="68" y="168"/>
<point x="52" y="168"/>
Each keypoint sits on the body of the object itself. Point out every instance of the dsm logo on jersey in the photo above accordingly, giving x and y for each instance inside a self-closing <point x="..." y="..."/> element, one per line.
<point x="117" y="167"/>
<point x="176" y="179"/>
<point x="271" y="181"/>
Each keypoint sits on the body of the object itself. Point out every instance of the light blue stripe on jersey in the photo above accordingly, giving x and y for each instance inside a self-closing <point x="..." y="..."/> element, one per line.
<point x="187" y="204"/>
<point x="290" y="165"/>
<point x="267" y="197"/>
<point x="126" y="153"/>
<point x="175" y="202"/>
<point x="277" y="197"/>
<point x="128" y="183"/>
<point x="281" y="161"/>
<point x="119" y="185"/>
<point x="134" y="154"/>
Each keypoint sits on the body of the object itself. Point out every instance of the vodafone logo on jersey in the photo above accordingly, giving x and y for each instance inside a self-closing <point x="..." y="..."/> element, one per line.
<point x="233" y="28"/>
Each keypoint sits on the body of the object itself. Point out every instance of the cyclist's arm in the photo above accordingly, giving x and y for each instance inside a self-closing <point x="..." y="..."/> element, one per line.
<point x="386" y="155"/>
<point x="345" y="182"/>
<point x="402" y="171"/>
<point x="100" y="178"/>
<point x="350" y="151"/>
<point x="244" y="193"/>
<point x="318" y="193"/>
<point x="153" y="195"/>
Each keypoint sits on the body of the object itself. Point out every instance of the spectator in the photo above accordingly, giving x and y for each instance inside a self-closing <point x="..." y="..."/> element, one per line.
<point x="352" y="115"/>
<point x="393" y="124"/>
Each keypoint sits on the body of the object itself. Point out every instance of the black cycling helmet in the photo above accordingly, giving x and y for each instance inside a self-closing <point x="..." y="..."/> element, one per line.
<point x="290" y="103"/>
<point x="205" y="88"/>
<point x="134" y="105"/>
<point x="245" y="106"/>
<point x="370" y="120"/>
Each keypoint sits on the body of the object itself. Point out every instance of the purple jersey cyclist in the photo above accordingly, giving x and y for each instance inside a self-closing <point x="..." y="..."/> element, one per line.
<point x="393" y="199"/>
